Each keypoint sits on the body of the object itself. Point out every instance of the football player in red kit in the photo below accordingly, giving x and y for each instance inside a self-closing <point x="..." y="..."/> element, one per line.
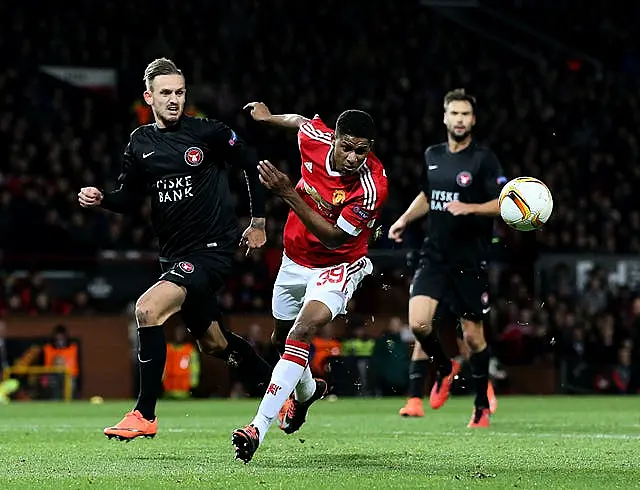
<point x="334" y="208"/>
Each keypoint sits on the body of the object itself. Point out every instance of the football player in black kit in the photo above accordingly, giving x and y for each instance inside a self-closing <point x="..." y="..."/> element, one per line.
<point x="460" y="188"/>
<point x="180" y="162"/>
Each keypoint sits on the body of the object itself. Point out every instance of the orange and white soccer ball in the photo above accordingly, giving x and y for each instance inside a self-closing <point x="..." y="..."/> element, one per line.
<point x="525" y="203"/>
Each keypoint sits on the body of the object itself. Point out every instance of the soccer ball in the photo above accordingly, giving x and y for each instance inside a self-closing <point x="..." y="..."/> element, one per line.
<point x="525" y="203"/>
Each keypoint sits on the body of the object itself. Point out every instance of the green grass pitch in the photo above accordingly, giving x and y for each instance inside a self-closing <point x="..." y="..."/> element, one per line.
<point x="553" y="442"/>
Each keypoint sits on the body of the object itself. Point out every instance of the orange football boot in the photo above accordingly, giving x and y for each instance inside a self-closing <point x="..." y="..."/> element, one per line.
<point x="480" y="418"/>
<point x="491" y="396"/>
<point x="131" y="426"/>
<point x="245" y="441"/>
<point x="440" y="389"/>
<point x="413" y="408"/>
<point x="295" y="414"/>
<point x="283" y="411"/>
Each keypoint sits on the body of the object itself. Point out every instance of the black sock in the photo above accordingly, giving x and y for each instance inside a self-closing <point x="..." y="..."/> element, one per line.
<point x="152" y="355"/>
<point x="479" y="362"/>
<point x="418" y="371"/>
<point x="252" y="369"/>
<point x="433" y="348"/>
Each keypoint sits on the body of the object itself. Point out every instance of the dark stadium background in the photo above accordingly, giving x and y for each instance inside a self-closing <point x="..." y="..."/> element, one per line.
<point x="558" y="99"/>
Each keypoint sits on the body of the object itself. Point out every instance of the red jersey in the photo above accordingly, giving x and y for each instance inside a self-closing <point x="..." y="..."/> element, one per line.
<point x="352" y="202"/>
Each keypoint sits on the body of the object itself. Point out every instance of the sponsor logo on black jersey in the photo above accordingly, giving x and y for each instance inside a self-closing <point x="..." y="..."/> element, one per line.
<point x="174" y="189"/>
<point x="439" y="199"/>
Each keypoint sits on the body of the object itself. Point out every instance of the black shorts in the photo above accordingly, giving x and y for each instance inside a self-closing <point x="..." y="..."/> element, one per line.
<point x="202" y="274"/>
<point x="464" y="288"/>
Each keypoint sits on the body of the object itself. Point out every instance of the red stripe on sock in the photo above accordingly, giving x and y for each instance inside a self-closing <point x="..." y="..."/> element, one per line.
<point x="297" y="343"/>
<point x="294" y="358"/>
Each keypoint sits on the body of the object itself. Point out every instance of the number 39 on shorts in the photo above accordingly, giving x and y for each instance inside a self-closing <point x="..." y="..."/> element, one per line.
<point x="331" y="276"/>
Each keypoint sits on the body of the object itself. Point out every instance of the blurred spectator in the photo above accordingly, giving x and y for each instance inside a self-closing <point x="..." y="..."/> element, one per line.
<point x="359" y="347"/>
<point x="625" y="375"/>
<point x="182" y="368"/>
<point x="324" y="345"/>
<point x="594" y="298"/>
<point x="358" y="344"/>
<point x="61" y="352"/>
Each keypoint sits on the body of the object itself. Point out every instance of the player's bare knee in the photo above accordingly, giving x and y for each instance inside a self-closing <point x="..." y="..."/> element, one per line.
<point x="421" y="329"/>
<point x="159" y="303"/>
<point x="144" y="314"/>
<point x="148" y="314"/>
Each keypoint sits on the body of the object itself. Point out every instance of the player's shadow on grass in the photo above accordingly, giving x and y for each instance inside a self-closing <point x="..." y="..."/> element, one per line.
<point x="332" y="460"/>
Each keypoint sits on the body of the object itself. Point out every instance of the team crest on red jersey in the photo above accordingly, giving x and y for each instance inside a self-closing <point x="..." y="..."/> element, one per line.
<point x="193" y="156"/>
<point x="186" y="267"/>
<point x="338" y="196"/>
<point x="464" y="179"/>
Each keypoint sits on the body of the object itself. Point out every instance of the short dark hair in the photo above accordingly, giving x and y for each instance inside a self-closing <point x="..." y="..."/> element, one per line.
<point x="459" y="94"/>
<point x="356" y="123"/>
<point x="160" y="66"/>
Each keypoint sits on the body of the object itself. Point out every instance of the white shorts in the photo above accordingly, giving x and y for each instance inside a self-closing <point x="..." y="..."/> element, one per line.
<point x="333" y="286"/>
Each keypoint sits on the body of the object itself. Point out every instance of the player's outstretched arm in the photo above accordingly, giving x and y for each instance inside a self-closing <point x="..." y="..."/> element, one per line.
<point x="126" y="197"/>
<point x="261" y="113"/>
<point x="417" y="209"/>
<point x="489" y="208"/>
<point x="329" y="235"/>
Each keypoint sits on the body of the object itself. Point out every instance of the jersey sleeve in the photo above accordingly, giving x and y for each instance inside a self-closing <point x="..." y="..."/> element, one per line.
<point x="494" y="177"/>
<point x="314" y="132"/>
<point x="362" y="211"/>
<point x="131" y="185"/>
<point x="224" y="140"/>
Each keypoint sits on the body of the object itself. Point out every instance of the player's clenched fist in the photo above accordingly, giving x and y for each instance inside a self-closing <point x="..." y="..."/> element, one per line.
<point x="274" y="180"/>
<point x="259" y="111"/>
<point x="397" y="229"/>
<point x="89" y="197"/>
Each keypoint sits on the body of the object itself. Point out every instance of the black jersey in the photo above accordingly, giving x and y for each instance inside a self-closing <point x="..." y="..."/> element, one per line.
<point x="183" y="169"/>
<point x="473" y="175"/>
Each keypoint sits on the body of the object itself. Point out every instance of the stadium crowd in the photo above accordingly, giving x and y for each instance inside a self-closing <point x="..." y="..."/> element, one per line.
<point x="562" y="122"/>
